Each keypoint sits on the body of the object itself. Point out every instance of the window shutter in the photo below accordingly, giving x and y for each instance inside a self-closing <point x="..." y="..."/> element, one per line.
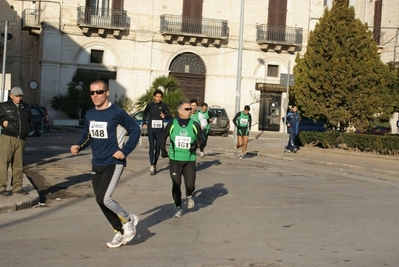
<point x="377" y="21"/>
<point x="117" y="5"/>
<point x="192" y="8"/>
<point x="277" y="13"/>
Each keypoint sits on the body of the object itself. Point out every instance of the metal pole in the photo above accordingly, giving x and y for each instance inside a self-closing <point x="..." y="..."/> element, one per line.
<point x="239" y="64"/>
<point x="287" y="103"/>
<point x="40" y="7"/>
<point x="3" y="76"/>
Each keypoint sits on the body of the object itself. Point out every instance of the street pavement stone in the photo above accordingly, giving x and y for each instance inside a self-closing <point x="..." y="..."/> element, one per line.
<point x="261" y="144"/>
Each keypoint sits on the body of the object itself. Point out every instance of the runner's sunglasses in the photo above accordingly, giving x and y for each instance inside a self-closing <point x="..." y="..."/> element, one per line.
<point x="99" y="92"/>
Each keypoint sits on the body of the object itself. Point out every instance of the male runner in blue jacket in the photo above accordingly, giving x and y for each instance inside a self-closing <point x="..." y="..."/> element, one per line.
<point x="105" y="127"/>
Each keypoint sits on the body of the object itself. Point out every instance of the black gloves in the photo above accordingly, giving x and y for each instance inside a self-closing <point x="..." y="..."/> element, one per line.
<point x="164" y="154"/>
<point x="193" y="147"/>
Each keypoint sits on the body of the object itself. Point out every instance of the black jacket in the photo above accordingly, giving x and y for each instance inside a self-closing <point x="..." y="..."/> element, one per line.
<point x="153" y="110"/>
<point x="20" y="119"/>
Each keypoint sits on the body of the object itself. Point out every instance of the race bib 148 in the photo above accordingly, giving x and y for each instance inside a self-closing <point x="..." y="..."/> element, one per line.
<point x="98" y="129"/>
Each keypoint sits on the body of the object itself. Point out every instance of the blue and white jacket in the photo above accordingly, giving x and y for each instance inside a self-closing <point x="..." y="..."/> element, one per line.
<point x="292" y="119"/>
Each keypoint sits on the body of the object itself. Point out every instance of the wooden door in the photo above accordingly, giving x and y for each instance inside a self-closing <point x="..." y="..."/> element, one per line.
<point x="193" y="85"/>
<point x="276" y="20"/>
<point x="192" y="16"/>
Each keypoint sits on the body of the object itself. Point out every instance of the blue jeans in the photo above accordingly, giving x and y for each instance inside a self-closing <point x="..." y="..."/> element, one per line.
<point x="291" y="141"/>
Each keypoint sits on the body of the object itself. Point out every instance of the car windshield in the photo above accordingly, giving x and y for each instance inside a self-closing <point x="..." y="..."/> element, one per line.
<point x="36" y="112"/>
<point x="138" y="116"/>
<point x="218" y="112"/>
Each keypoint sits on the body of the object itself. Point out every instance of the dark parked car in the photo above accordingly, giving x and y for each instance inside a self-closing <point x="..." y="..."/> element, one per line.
<point x="309" y="125"/>
<point x="221" y="121"/>
<point x="42" y="121"/>
<point x="377" y="130"/>
<point x="138" y="117"/>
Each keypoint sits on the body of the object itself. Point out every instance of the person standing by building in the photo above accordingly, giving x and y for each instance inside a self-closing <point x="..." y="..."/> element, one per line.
<point x="397" y="126"/>
<point x="157" y="111"/>
<point x="185" y="137"/>
<point x="292" y="121"/>
<point x="105" y="127"/>
<point x="17" y="121"/>
<point x="243" y="121"/>
<point x="208" y="116"/>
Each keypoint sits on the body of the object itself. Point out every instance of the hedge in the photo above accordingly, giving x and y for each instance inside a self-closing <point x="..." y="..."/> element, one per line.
<point x="380" y="144"/>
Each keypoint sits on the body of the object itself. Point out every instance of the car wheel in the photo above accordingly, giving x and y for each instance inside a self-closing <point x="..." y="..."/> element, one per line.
<point x="222" y="121"/>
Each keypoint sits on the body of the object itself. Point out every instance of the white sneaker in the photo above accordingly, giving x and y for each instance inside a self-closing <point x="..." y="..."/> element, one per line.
<point x="152" y="170"/>
<point x="178" y="213"/>
<point x="236" y="152"/>
<point x="190" y="202"/>
<point x="116" y="242"/>
<point x="129" y="229"/>
<point x="202" y="154"/>
<point x="241" y="156"/>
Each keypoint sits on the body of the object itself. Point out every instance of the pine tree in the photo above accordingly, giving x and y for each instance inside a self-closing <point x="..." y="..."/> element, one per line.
<point x="76" y="101"/>
<point x="341" y="78"/>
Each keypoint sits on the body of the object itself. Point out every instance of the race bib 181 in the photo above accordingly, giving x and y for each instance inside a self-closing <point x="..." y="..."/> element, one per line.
<point x="183" y="142"/>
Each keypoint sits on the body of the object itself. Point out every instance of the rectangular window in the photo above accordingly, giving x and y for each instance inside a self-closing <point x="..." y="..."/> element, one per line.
<point x="96" y="56"/>
<point x="272" y="70"/>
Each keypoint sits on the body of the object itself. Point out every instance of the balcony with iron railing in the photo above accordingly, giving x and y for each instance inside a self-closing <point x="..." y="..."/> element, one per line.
<point x="279" y="38"/>
<point x="194" y="30"/>
<point x="103" y="21"/>
<point x="31" y="20"/>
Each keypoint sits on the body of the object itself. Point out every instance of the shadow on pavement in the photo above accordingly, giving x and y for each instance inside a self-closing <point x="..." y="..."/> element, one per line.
<point x="203" y="198"/>
<point x="202" y="165"/>
<point x="58" y="188"/>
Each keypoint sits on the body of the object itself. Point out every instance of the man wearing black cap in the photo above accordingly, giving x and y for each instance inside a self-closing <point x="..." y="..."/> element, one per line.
<point x="17" y="122"/>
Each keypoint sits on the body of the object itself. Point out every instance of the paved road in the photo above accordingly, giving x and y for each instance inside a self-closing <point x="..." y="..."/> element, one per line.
<point x="275" y="210"/>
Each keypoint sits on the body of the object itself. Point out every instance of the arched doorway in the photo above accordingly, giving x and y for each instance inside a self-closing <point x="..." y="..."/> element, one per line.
<point x="189" y="70"/>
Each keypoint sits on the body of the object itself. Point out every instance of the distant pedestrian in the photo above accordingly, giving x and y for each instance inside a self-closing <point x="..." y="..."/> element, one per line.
<point x="208" y="116"/>
<point x="17" y="121"/>
<point x="157" y="111"/>
<point x="243" y="121"/>
<point x="292" y="121"/>
<point x="185" y="137"/>
<point x="105" y="127"/>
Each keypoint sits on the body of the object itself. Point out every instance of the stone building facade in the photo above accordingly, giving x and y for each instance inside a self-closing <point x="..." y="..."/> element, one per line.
<point x="133" y="42"/>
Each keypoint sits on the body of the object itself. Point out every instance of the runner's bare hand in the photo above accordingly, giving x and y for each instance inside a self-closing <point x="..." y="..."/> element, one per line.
<point x="118" y="155"/>
<point x="75" y="149"/>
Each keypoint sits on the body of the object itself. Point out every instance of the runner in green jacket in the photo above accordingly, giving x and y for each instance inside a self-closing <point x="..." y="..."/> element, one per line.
<point x="185" y="137"/>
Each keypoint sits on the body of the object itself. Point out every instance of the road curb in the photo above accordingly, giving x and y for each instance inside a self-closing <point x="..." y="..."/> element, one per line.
<point x="18" y="202"/>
